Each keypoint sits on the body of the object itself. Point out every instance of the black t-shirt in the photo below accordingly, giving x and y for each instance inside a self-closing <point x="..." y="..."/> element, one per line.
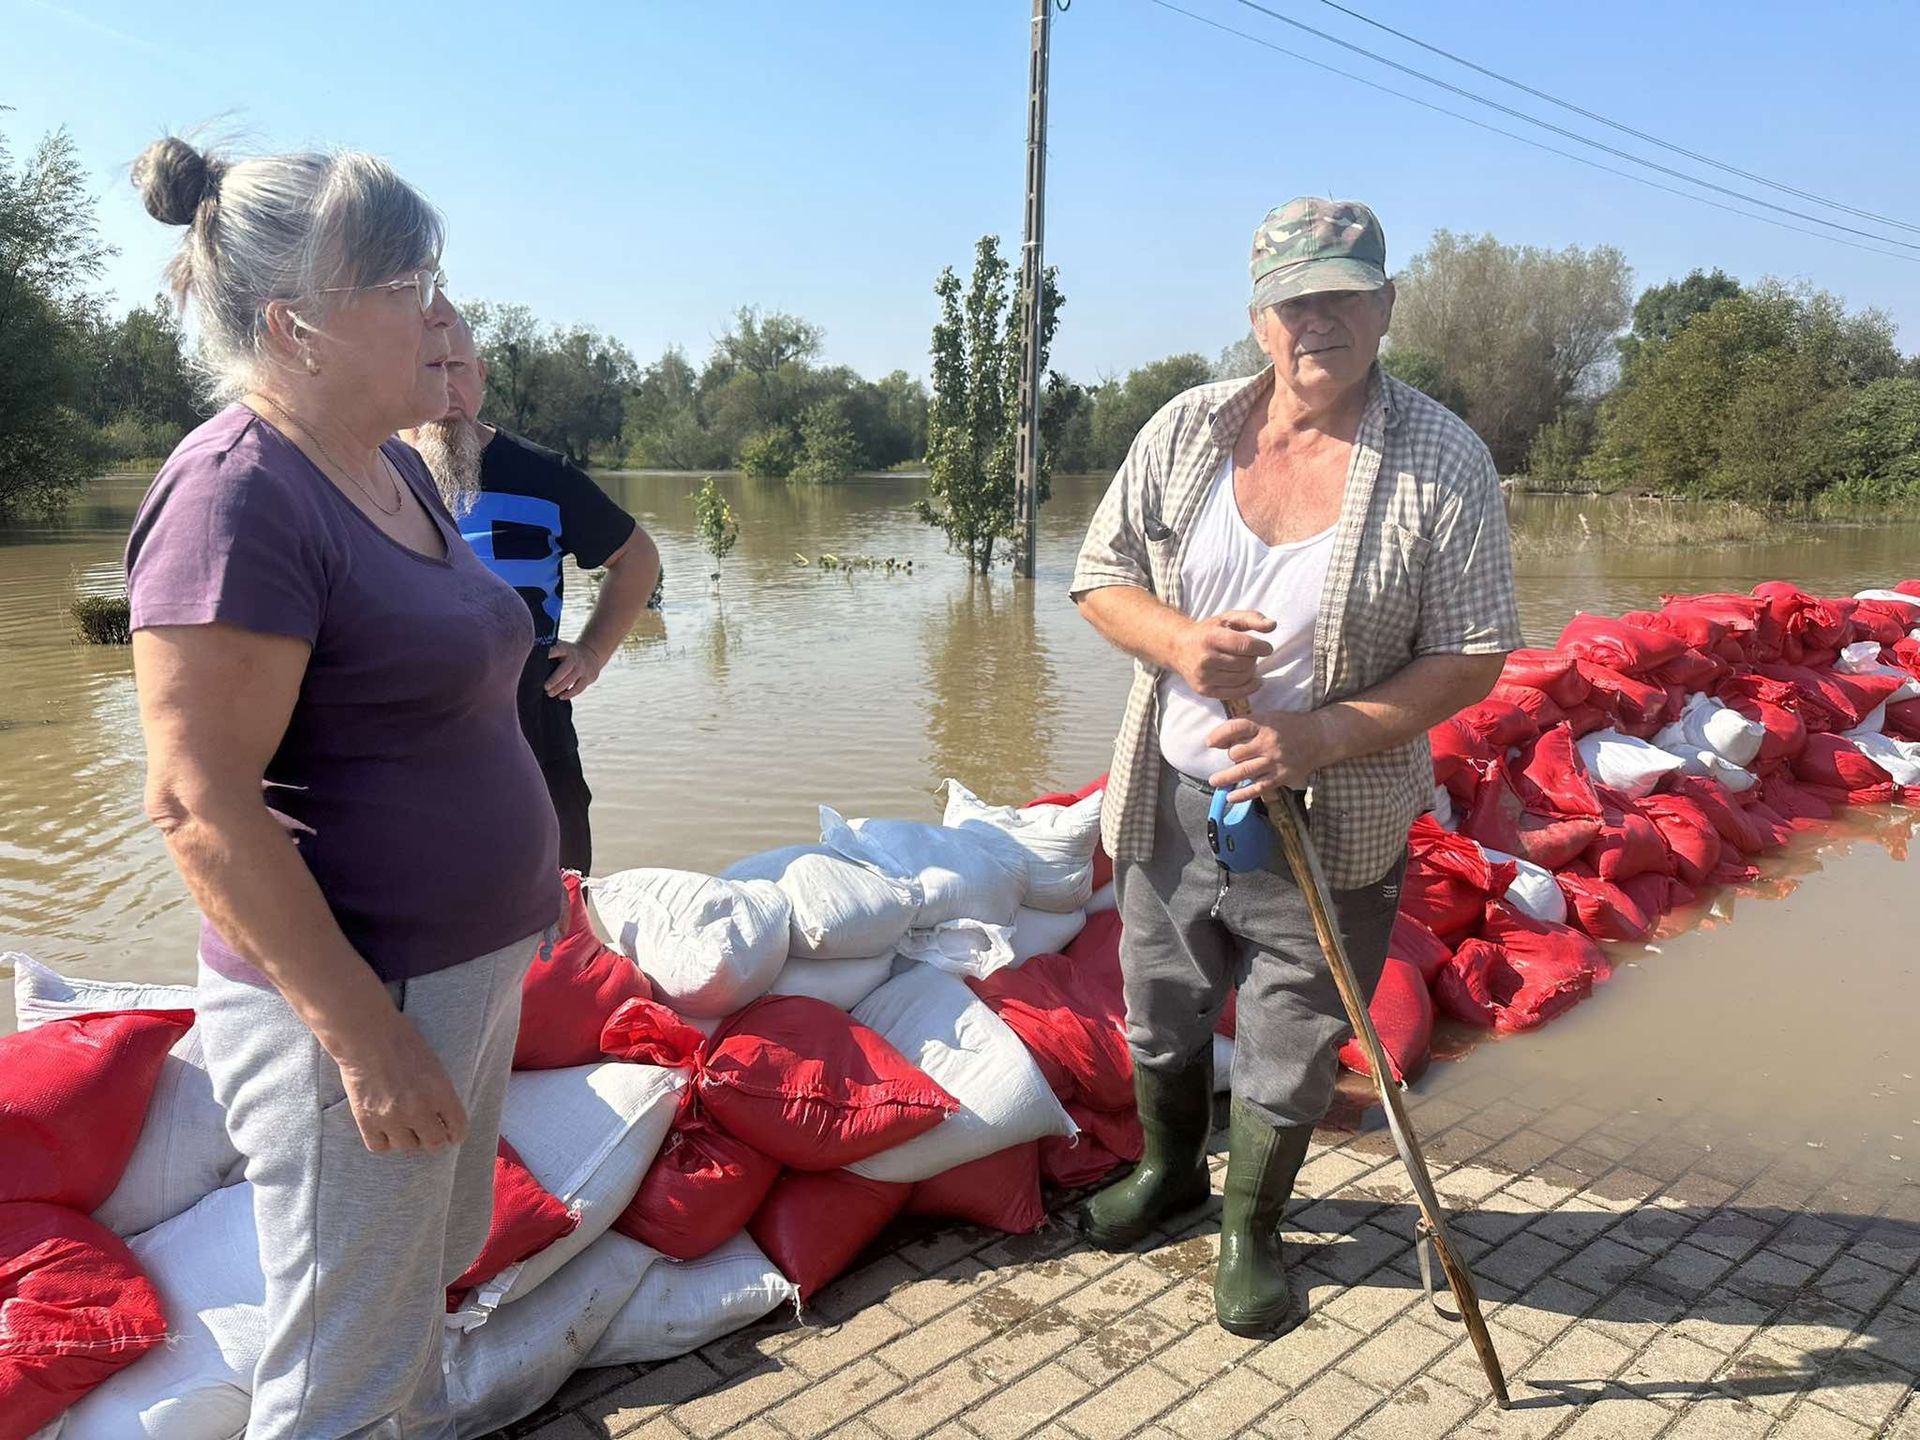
<point x="534" y="508"/>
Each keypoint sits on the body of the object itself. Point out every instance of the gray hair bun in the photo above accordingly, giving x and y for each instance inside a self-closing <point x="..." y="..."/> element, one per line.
<point x="173" y="178"/>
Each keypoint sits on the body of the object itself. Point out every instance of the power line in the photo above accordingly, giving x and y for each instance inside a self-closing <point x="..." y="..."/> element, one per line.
<point x="1573" y="135"/>
<point x="1625" y="129"/>
<point x="1528" y="139"/>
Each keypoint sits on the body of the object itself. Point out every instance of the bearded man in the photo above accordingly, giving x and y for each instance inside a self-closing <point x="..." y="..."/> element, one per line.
<point x="523" y="508"/>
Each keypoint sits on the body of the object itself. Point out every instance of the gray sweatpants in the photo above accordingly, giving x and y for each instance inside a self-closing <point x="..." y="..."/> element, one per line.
<point x="1179" y="963"/>
<point x="357" y="1248"/>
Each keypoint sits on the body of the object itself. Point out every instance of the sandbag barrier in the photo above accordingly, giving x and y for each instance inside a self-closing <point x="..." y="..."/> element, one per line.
<point x="718" y="1106"/>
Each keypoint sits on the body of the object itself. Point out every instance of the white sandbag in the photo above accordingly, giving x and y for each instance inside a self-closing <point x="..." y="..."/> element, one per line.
<point x="681" y="1305"/>
<point x="1895" y="596"/>
<point x="1899" y="758"/>
<point x="1534" y="891"/>
<point x="588" y="1135"/>
<point x="1044" y="932"/>
<point x="1709" y="725"/>
<point x="1105" y="898"/>
<point x="842" y="984"/>
<point x="842" y="909"/>
<point x="709" y="946"/>
<point x="962" y="947"/>
<point x="183" y="1153"/>
<point x="1874" y="722"/>
<point x="1058" y="840"/>
<point x="515" y="1363"/>
<point x="940" y="1025"/>
<point x="1630" y="766"/>
<point x="953" y="874"/>
<point x="1694" y="760"/>
<point x="205" y="1264"/>
<point x="1222" y="1064"/>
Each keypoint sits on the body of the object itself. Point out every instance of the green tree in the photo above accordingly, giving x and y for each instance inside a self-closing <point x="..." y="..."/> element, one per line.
<point x="769" y="455"/>
<point x="142" y="396"/>
<point x="829" y="450"/>
<point x="1518" y="329"/>
<point x="1242" y="358"/>
<point x="1125" y="406"/>
<point x="1066" y="423"/>
<point x="566" y="388"/>
<point x="1662" y="310"/>
<point x="971" y="419"/>
<point x="49" y="256"/>
<point x="1426" y="374"/>
<point x="1868" y="451"/>
<point x="719" y="530"/>
<point x="1560" y="448"/>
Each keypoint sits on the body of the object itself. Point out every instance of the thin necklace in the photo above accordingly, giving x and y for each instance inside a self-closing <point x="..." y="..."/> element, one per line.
<point x="399" y="500"/>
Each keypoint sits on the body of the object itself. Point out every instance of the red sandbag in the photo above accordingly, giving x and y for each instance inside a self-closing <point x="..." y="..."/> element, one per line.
<point x="1837" y="761"/>
<point x="565" y="1000"/>
<point x="1736" y="826"/>
<point x="1551" y="777"/>
<point x="1455" y="749"/>
<point x="1903" y="720"/>
<point x="1587" y="718"/>
<point x="1659" y="894"/>
<point x="1499" y="722"/>
<point x="1885" y="622"/>
<point x="700" y="1191"/>
<point x="1076" y="1030"/>
<point x="526" y="1219"/>
<point x="1733" y="871"/>
<point x="1833" y="702"/>
<point x="1618" y="645"/>
<point x="1449" y="879"/>
<point x="74" y="1308"/>
<point x="1543" y="940"/>
<point x="1418" y="946"/>
<point x="1792" y="799"/>
<point x="999" y="1191"/>
<point x="1402" y="1014"/>
<point x="1486" y="986"/>
<point x="1548" y="671"/>
<point x="813" y="1225"/>
<point x="1637" y="707"/>
<point x="1230" y="1012"/>
<point x="1629" y="843"/>
<point x="73" y="1098"/>
<point x="1699" y="632"/>
<point x="1778" y="827"/>
<point x="1539" y="707"/>
<point x="807" y="1084"/>
<point x="1692" y="838"/>
<point x="1785" y="733"/>
<point x="1497" y="818"/>
<point x="1602" y="909"/>
<point x="1907" y="587"/>
<point x="1692" y="670"/>
<point x="1107" y="1139"/>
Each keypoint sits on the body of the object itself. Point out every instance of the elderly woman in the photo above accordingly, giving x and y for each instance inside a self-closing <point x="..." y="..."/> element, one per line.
<point x="327" y="686"/>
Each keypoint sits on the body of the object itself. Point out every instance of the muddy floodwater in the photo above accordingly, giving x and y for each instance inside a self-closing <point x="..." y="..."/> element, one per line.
<point x="1780" y="1017"/>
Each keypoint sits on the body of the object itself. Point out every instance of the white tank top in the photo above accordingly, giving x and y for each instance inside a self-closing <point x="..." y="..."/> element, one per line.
<point x="1225" y="566"/>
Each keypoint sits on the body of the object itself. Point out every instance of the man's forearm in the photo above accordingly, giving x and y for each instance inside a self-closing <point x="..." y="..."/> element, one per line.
<point x="1406" y="704"/>
<point x="1136" y="621"/>
<point x="631" y="576"/>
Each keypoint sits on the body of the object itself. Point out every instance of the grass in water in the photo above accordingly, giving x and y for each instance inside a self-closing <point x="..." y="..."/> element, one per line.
<point x="103" y="619"/>
<point x="1648" y="523"/>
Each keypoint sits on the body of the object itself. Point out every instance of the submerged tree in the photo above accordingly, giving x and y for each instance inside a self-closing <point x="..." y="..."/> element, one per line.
<point x="719" y="530"/>
<point x="972" y="420"/>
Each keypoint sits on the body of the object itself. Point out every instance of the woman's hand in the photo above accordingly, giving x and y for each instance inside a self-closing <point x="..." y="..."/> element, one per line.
<point x="1275" y="750"/>
<point x="399" y="1091"/>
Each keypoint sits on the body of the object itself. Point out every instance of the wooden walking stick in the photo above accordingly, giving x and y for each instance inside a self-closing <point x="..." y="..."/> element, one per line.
<point x="1290" y="822"/>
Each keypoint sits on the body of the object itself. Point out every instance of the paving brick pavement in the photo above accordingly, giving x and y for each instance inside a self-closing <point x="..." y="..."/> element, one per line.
<point x="1640" y="1281"/>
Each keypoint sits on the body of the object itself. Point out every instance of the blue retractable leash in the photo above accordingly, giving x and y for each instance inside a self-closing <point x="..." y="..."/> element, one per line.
<point x="1241" y="838"/>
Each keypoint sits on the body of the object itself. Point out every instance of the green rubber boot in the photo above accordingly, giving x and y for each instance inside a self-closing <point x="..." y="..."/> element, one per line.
<point x="1250" y="1291"/>
<point x="1176" y="1113"/>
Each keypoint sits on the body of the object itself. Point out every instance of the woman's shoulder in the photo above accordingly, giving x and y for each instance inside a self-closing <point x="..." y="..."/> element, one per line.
<point x="233" y="463"/>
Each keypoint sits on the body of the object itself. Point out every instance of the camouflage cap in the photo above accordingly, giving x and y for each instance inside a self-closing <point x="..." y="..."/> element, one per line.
<point x="1310" y="245"/>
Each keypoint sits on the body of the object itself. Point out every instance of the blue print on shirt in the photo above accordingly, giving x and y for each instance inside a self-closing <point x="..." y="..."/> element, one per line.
<point x="518" y="538"/>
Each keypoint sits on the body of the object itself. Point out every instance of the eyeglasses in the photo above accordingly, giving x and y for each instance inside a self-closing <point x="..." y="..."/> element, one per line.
<point x="427" y="284"/>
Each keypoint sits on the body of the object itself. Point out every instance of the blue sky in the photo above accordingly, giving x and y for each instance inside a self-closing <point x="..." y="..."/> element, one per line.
<point x="646" y="167"/>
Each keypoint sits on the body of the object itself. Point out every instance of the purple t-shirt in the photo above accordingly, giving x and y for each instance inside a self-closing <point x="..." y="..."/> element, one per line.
<point x="423" y="814"/>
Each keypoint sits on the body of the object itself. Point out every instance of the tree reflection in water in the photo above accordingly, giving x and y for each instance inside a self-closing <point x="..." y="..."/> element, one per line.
<point x="993" y="705"/>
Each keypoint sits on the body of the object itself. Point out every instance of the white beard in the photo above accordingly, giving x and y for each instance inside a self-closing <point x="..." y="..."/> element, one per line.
<point x="452" y="450"/>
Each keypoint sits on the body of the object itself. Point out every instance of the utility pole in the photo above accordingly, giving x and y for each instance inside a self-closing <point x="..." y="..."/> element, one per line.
<point x="1027" y="434"/>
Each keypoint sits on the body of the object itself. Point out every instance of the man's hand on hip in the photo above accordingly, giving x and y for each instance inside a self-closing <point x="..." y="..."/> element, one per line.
<point x="579" y="667"/>
<point x="1272" y="750"/>
<point x="1217" y="656"/>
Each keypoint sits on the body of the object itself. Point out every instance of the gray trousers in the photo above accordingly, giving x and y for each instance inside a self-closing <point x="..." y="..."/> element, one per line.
<point x="1180" y="963"/>
<point x="357" y="1248"/>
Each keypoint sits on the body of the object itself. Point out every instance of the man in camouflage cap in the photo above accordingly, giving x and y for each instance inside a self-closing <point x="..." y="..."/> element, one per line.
<point x="1325" y="550"/>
